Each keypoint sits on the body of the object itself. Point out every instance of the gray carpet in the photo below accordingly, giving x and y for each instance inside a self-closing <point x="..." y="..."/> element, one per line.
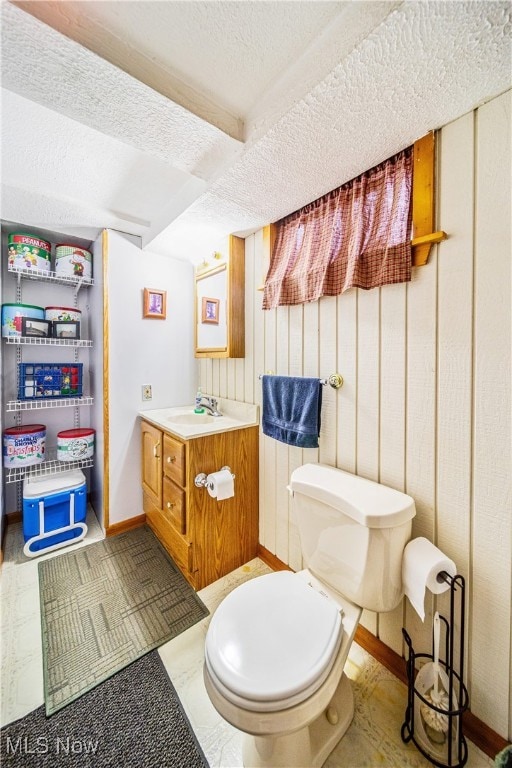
<point x="105" y="605"/>
<point x="134" y="720"/>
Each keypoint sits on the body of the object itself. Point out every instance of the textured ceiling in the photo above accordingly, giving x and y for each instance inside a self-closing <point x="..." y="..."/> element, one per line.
<point x="235" y="55"/>
<point x="181" y="122"/>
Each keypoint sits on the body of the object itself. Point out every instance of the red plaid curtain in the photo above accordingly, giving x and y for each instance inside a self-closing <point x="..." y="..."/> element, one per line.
<point x="358" y="235"/>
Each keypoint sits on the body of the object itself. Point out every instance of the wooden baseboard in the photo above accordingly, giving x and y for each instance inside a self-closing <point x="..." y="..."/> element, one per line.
<point x="476" y="730"/>
<point x="271" y="560"/>
<point x="9" y="519"/>
<point x="125" y="525"/>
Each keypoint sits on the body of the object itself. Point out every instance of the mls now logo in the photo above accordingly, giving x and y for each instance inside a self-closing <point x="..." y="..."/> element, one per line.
<point x="24" y="745"/>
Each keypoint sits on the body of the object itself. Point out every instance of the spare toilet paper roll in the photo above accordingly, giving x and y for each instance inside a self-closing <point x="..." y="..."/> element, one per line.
<point x="421" y="564"/>
<point x="221" y="485"/>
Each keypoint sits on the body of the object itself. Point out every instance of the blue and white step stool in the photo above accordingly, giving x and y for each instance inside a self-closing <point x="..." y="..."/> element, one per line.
<point x="54" y="511"/>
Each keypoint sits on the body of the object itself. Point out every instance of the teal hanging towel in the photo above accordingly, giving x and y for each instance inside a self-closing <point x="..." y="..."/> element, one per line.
<point x="291" y="410"/>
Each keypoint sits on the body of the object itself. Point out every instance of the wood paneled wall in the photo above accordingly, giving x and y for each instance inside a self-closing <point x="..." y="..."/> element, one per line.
<point x="425" y="406"/>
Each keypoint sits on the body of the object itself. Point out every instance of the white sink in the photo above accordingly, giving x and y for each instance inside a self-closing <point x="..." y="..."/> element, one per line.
<point x="184" y="423"/>
<point x="191" y="418"/>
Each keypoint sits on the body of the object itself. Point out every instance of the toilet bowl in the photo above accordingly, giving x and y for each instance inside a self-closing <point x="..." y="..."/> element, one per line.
<point x="274" y="658"/>
<point x="277" y="645"/>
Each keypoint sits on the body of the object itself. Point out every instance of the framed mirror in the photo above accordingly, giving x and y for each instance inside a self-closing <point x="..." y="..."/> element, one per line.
<point x="211" y="310"/>
<point x="220" y="303"/>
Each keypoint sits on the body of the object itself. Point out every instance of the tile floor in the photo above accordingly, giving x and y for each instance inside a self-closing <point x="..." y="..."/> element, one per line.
<point x="373" y="739"/>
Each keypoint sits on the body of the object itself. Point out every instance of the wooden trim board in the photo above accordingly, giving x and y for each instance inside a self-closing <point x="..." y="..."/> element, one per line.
<point x="271" y="560"/>
<point x="13" y="517"/>
<point x="126" y="525"/>
<point x="106" y="390"/>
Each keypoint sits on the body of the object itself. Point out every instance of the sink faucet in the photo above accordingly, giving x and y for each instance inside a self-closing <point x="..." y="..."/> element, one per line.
<point x="210" y="403"/>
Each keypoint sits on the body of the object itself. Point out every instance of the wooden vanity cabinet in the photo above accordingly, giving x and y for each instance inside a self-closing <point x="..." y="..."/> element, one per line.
<point x="206" y="538"/>
<point x="152" y="463"/>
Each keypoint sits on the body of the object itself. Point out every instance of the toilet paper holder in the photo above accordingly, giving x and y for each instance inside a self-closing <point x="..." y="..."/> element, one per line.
<point x="452" y="752"/>
<point x="201" y="480"/>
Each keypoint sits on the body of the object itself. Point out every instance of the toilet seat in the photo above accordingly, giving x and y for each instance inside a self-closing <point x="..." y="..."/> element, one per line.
<point x="272" y="642"/>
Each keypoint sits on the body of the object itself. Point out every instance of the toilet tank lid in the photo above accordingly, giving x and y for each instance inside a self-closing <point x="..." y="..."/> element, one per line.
<point x="371" y="504"/>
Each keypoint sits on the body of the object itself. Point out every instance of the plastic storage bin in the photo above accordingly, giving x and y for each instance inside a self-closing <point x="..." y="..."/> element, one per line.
<point x="44" y="380"/>
<point x="54" y="511"/>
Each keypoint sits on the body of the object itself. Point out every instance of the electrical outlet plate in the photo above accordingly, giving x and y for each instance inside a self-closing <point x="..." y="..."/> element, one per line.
<point x="146" y="392"/>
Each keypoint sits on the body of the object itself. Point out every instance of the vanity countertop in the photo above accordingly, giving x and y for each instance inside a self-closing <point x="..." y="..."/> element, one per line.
<point x="185" y="424"/>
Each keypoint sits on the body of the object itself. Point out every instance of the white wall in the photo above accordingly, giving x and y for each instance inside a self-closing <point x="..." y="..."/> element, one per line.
<point x="143" y="351"/>
<point x="425" y="406"/>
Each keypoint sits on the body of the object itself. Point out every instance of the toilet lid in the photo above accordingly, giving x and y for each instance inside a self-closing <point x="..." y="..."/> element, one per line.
<point x="273" y="637"/>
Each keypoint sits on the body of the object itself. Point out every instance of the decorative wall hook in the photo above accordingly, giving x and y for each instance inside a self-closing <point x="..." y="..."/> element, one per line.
<point x="335" y="380"/>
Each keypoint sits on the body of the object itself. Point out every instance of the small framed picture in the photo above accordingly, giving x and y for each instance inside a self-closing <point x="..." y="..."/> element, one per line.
<point x="210" y="310"/>
<point x="65" y="329"/>
<point x="155" y="302"/>
<point x="32" y="326"/>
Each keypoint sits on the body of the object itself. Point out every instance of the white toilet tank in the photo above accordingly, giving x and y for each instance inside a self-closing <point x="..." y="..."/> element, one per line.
<point x="353" y="532"/>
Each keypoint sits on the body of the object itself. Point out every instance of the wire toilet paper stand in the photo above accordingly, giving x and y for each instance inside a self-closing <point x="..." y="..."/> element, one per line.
<point x="452" y="750"/>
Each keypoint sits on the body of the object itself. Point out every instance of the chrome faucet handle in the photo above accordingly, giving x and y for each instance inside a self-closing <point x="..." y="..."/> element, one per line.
<point x="213" y="406"/>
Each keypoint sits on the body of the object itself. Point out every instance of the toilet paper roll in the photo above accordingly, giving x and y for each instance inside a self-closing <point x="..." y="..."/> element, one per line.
<point x="221" y="485"/>
<point x="421" y="565"/>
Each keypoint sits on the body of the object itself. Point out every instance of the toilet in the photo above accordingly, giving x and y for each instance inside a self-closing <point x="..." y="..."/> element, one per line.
<point x="277" y="645"/>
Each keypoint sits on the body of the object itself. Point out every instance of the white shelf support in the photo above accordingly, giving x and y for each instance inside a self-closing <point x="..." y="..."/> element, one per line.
<point x="44" y="341"/>
<point x="58" y="402"/>
<point x="50" y="467"/>
<point x="51" y="277"/>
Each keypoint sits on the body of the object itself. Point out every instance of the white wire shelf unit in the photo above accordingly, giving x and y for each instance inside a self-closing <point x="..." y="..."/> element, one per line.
<point x="56" y="402"/>
<point x="52" y="277"/>
<point x="50" y="467"/>
<point x="43" y="341"/>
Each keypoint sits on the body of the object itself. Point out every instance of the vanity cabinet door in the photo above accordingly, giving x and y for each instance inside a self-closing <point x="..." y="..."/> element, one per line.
<point x="152" y="462"/>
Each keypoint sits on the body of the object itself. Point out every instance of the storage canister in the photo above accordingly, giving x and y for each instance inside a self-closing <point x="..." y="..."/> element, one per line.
<point x="73" y="260"/>
<point x="24" y="446"/>
<point x="12" y="314"/>
<point x="62" y="313"/>
<point x="73" y="444"/>
<point x="28" y="252"/>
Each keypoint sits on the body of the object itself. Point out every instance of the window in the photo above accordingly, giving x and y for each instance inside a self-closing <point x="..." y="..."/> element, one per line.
<point x="359" y="234"/>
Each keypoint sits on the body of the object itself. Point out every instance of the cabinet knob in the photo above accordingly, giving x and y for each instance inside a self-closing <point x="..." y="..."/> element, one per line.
<point x="155" y="450"/>
<point x="171" y="459"/>
<point x="170" y="505"/>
